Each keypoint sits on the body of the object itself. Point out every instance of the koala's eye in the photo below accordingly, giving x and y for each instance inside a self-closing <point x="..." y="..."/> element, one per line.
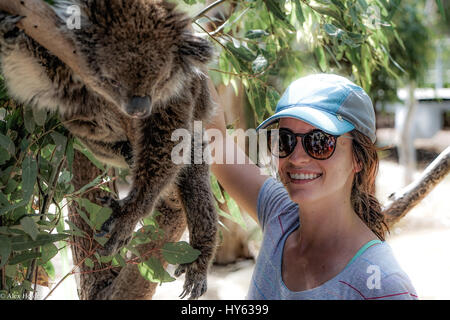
<point x="110" y="81"/>
<point x="114" y="83"/>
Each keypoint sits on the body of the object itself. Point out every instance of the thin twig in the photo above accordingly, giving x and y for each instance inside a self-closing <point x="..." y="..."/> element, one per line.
<point x="206" y="9"/>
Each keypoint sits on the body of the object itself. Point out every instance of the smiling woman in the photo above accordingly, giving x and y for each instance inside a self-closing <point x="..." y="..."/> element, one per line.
<point x="323" y="232"/>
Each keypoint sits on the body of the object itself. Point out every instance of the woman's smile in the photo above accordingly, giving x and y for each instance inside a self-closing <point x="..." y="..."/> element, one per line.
<point x="303" y="177"/>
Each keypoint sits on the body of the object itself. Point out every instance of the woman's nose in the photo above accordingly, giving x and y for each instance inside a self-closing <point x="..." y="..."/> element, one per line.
<point x="299" y="154"/>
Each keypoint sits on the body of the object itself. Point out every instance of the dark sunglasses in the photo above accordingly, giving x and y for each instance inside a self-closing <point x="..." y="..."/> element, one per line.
<point x="316" y="143"/>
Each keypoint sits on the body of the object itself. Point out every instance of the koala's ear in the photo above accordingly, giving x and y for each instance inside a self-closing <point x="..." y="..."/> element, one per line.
<point x="195" y="48"/>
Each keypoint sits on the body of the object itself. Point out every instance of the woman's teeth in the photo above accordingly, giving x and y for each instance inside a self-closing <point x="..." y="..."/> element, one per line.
<point x="302" y="176"/>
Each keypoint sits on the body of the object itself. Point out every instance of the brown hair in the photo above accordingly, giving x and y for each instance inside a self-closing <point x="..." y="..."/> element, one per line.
<point x="363" y="199"/>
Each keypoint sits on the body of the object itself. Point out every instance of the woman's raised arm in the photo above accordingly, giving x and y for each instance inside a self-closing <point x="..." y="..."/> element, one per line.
<point x="241" y="181"/>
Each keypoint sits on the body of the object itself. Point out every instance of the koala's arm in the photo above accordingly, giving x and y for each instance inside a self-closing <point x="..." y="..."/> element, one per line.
<point x="153" y="170"/>
<point x="193" y="184"/>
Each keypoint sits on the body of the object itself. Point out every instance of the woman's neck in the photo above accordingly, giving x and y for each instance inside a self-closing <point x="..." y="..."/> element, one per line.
<point x="330" y="225"/>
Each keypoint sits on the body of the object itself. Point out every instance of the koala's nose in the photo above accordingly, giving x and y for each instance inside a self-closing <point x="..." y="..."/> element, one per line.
<point x="139" y="107"/>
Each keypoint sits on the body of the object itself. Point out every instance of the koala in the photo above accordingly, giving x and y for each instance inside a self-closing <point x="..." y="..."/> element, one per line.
<point x="150" y="68"/>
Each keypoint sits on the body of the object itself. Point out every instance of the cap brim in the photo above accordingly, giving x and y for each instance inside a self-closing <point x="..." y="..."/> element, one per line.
<point x="323" y="120"/>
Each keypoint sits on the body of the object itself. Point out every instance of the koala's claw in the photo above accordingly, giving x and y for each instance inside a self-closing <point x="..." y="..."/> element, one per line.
<point x="195" y="284"/>
<point x="109" y="201"/>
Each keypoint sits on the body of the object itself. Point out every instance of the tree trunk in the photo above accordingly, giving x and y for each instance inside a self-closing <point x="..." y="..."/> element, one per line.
<point x="105" y="281"/>
<point x="407" y="155"/>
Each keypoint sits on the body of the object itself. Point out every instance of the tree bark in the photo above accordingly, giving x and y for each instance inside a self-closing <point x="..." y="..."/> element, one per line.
<point x="407" y="152"/>
<point x="105" y="281"/>
<point x="401" y="202"/>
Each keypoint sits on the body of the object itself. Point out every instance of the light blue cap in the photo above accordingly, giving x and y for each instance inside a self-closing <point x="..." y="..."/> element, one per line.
<point x="329" y="102"/>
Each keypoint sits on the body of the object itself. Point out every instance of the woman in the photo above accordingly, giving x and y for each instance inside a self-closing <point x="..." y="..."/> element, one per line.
<point x="323" y="231"/>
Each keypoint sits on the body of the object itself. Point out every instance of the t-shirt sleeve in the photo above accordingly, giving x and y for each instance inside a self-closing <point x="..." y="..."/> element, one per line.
<point x="272" y="198"/>
<point x="398" y="286"/>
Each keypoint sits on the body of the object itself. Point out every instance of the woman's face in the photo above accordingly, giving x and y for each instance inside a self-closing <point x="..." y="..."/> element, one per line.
<point x="310" y="180"/>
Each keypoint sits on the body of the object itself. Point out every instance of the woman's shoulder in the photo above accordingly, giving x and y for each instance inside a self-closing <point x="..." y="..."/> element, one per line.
<point x="376" y="274"/>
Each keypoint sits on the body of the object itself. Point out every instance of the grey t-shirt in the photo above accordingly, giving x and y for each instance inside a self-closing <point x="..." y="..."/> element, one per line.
<point x="374" y="273"/>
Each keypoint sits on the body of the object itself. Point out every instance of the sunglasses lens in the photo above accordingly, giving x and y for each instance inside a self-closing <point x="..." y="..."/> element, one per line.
<point x="319" y="145"/>
<point x="281" y="143"/>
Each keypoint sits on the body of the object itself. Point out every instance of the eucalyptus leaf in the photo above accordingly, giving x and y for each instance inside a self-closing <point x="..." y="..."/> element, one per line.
<point x="23" y="257"/>
<point x="7" y="144"/>
<point x="179" y="252"/>
<point x="19" y="243"/>
<point x="5" y="250"/>
<point x="153" y="271"/>
<point x="259" y="64"/>
<point x="30" y="227"/>
<point x="39" y="115"/>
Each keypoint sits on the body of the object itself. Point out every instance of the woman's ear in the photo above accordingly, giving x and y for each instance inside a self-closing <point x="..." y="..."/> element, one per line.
<point x="357" y="166"/>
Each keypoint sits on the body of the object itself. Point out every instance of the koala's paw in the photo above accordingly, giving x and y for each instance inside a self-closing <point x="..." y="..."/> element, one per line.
<point x="117" y="228"/>
<point x="195" y="283"/>
<point x="9" y="32"/>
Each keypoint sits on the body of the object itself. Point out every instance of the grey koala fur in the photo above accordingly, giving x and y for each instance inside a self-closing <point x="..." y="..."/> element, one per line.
<point x="151" y="71"/>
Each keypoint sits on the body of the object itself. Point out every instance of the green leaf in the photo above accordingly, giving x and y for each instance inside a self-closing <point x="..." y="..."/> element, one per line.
<point x="272" y="99"/>
<point x="274" y="7"/>
<point x="48" y="251"/>
<point x="256" y="34"/>
<point x="119" y="260"/>
<point x="75" y="230"/>
<point x="441" y="9"/>
<point x="30" y="227"/>
<point x="60" y="146"/>
<point x="97" y="214"/>
<point x="89" y="263"/>
<point x="91" y="184"/>
<point x="50" y="269"/>
<point x="153" y="271"/>
<point x="39" y="115"/>
<point x="259" y="64"/>
<point x="179" y="252"/>
<point x="21" y="258"/>
<point x="7" y="144"/>
<point x="215" y="187"/>
<point x="4" y="156"/>
<point x="241" y="52"/>
<point x="299" y="12"/>
<point x="29" y="176"/>
<point x="321" y="59"/>
<point x="5" y="250"/>
<point x="20" y="243"/>
<point x="28" y="119"/>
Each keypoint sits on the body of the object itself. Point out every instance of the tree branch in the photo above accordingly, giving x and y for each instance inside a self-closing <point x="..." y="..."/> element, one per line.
<point x="401" y="202"/>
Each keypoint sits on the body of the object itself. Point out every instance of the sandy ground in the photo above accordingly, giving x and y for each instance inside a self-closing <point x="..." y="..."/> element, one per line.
<point x="420" y="242"/>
